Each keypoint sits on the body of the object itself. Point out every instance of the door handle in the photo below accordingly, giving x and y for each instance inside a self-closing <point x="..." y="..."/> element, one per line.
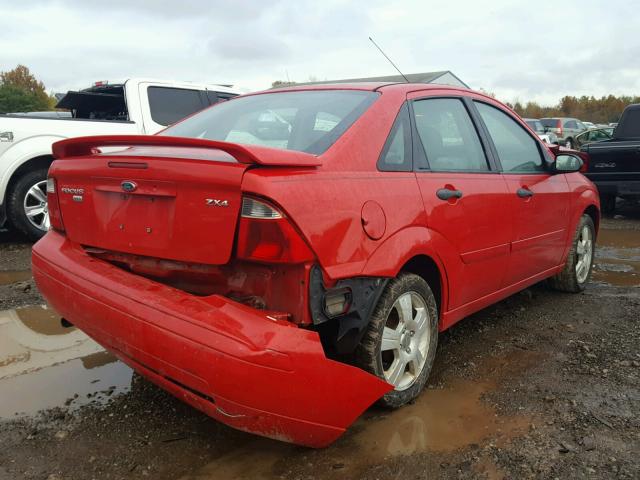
<point x="524" y="193"/>
<point x="446" y="194"/>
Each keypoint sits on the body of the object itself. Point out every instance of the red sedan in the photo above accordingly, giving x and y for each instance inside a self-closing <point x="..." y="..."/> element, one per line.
<point x="283" y="260"/>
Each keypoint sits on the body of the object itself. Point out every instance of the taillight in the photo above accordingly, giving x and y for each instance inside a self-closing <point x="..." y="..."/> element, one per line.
<point x="559" y="127"/>
<point x="265" y="235"/>
<point x="53" y="205"/>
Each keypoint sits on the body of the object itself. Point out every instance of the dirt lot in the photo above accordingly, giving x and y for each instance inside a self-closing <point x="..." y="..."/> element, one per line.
<point x="541" y="385"/>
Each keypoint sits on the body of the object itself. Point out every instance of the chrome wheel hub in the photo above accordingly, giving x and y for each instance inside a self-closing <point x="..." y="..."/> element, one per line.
<point x="35" y="206"/>
<point x="584" y="254"/>
<point x="405" y="340"/>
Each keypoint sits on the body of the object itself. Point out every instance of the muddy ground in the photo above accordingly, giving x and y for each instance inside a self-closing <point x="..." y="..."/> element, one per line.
<point x="541" y="385"/>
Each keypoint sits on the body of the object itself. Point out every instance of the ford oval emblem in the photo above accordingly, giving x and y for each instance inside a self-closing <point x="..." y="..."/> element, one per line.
<point x="129" y="186"/>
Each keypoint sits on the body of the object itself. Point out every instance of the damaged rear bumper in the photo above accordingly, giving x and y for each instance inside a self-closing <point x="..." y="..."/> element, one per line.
<point x="226" y="359"/>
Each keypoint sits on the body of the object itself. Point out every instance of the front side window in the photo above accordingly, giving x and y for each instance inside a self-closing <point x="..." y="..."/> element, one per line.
<point x="448" y="136"/>
<point x="306" y="121"/>
<point x="518" y="151"/>
<point x="168" y="105"/>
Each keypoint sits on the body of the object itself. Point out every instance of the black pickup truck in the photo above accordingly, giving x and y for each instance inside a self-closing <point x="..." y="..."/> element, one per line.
<point x="614" y="164"/>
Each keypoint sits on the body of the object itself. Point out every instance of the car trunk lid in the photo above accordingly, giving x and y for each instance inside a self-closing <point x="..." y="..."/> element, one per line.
<point x="163" y="197"/>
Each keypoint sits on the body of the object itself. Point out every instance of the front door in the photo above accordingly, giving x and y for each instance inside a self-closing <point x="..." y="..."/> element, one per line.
<point x="538" y="200"/>
<point x="464" y="197"/>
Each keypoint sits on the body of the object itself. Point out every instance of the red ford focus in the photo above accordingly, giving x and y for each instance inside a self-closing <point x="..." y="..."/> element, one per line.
<point x="283" y="260"/>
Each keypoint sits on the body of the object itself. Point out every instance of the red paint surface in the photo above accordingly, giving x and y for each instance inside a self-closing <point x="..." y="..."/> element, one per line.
<point x="165" y="290"/>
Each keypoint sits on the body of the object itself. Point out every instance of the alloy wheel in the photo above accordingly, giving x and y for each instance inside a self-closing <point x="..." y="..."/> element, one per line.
<point x="35" y="206"/>
<point x="584" y="253"/>
<point x="405" y="340"/>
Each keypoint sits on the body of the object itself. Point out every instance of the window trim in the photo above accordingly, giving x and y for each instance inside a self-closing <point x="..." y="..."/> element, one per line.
<point x="541" y="150"/>
<point x="402" y="118"/>
<point x="419" y="154"/>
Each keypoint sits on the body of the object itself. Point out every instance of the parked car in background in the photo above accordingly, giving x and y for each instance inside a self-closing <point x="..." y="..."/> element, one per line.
<point x="593" y="135"/>
<point x="253" y="261"/>
<point x="136" y="105"/>
<point x="545" y="136"/>
<point x="614" y="164"/>
<point x="565" y="128"/>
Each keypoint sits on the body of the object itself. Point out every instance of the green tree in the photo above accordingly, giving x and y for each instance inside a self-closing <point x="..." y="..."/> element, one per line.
<point x="20" y="91"/>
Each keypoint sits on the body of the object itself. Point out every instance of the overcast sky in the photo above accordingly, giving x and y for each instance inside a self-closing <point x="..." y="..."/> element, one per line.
<point x="518" y="50"/>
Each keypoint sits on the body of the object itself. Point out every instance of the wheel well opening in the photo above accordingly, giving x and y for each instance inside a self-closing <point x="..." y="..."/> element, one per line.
<point x="592" y="211"/>
<point x="426" y="268"/>
<point x="34" y="164"/>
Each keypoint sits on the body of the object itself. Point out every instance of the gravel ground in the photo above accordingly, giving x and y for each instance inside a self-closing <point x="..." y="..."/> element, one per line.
<point x="541" y="385"/>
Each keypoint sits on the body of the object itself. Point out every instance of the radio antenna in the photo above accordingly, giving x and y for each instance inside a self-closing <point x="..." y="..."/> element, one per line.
<point x="390" y="61"/>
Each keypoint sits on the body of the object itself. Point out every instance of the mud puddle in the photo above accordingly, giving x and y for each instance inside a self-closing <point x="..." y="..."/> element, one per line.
<point x="618" y="258"/>
<point x="441" y="420"/>
<point x="44" y="364"/>
<point x="12" y="276"/>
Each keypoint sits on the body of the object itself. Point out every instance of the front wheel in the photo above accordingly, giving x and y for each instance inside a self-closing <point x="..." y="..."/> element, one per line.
<point x="27" y="204"/>
<point x="575" y="274"/>
<point x="400" y="342"/>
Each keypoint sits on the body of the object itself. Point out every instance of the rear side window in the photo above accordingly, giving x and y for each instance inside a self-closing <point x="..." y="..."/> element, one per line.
<point x="448" y="135"/>
<point x="396" y="154"/>
<point x="549" y="122"/>
<point x="570" y="124"/>
<point x="168" y="105"/>
<point x="518" y="151"/>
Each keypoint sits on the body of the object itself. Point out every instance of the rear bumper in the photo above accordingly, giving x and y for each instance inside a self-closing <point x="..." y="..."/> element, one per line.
<point x="226" y="359"/>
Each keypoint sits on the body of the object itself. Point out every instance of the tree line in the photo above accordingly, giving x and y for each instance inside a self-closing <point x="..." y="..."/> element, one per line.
<point x="605" y="109"/>
<point x="20" y="91"/>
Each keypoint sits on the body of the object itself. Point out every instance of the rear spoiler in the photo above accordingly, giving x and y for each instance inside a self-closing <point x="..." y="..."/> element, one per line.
<point x="84" y="146"/>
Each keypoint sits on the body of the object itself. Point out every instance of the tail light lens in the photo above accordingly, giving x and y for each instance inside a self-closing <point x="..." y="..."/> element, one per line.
<point x="53" y="205"/>
<point x="559" y="127"/>
<point x="265" y="235"/>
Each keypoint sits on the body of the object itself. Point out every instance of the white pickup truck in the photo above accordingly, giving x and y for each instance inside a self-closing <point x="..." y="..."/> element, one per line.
<point x="134" y="106"/>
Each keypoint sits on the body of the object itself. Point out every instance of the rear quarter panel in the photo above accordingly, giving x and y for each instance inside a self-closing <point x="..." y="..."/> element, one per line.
<point x="326" y="202"/>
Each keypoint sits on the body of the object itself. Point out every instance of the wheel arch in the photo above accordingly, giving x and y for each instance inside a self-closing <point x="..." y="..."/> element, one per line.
<point x="594" y="213"/>
<point x="426" y="267"/>
<point x="20" y="156"/>
<point x="41" y="161"/>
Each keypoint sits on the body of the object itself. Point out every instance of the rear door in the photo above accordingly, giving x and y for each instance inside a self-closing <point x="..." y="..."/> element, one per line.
<point x="538" y="200"/>
<point x="463" y="194"/>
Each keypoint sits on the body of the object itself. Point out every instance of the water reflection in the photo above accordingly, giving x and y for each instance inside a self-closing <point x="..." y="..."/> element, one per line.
<point x="45" y="365"/>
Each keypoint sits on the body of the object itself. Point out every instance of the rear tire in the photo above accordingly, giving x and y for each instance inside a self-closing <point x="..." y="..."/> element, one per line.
<point x="400" y="342"/>
<point x="28" y="194"/>
<point x="608" y="204"/>
<point x="576" y="272"/>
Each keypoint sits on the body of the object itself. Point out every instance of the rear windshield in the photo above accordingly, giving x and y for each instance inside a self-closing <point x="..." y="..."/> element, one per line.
<point x="306" y="121"/>
<point x="629" y="126"/>
<point x="549" y="122"/>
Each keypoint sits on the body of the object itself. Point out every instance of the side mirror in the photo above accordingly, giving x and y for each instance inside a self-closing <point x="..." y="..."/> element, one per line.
<point x="566" y="163"/>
